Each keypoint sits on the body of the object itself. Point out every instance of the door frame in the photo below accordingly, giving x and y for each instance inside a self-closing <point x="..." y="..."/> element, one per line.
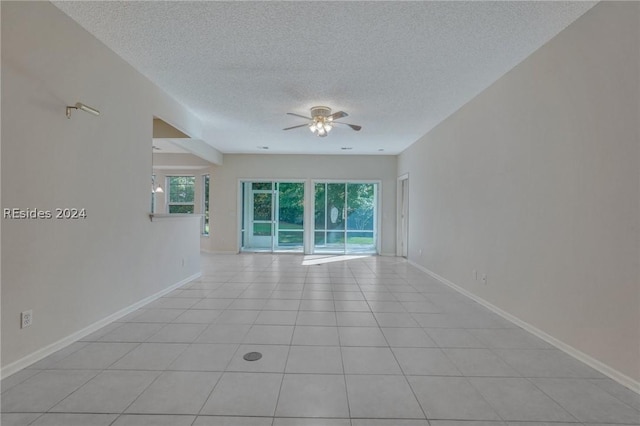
<point x="274" y="213"/>
<point x="402" y="209"/>
<point x="309" y="208"/>
<point x="376" y="213"/>
<point x="250" y="219"/>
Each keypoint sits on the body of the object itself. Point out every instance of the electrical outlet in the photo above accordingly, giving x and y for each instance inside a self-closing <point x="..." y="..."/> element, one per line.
<point x="475" y="275"/>
<point x="484" y="279"/>
<point x="182" y="262"/>
<point x="26" y="318"/>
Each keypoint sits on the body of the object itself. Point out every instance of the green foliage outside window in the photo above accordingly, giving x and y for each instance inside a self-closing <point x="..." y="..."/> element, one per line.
<point x="182" y="189"/>
<point x="205" y="197"/>
<point x="181" y="196"/>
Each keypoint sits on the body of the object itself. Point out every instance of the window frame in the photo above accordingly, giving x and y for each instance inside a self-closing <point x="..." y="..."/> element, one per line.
<point x="154" y="201"/>
<point x="168" y="202"/>
<point x="206" y="205"/>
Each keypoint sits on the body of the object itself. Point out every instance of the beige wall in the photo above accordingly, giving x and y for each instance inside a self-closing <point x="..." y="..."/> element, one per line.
<point x="179" y="165"/>
<point x="75" y="273"/>
<point x="224" y="201"/>
<point x="535" y="182"/>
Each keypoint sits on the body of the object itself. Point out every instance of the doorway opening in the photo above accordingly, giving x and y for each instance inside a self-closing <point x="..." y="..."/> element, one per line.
<point x="272" y="216"/>
<point x="337" y="217"/>
<point x="345" y="217"/>
<point x="403" y="216"/>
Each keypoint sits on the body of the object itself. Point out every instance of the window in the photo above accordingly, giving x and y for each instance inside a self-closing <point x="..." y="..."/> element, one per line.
<point x="205" y="204"/>
<point x="181" y="194"/>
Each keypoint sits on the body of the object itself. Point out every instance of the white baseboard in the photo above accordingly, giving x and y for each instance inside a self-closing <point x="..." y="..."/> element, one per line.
<point x="218" y="252"/>
<point x="388" y="254"/>
<point x="36" y="356"/>
<point x="603" y="368"/>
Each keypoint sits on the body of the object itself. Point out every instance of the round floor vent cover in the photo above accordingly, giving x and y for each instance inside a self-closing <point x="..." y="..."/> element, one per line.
<point x="252" y="356"/>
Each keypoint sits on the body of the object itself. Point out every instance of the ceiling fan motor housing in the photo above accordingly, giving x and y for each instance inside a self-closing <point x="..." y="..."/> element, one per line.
<point x="320" y="111"/>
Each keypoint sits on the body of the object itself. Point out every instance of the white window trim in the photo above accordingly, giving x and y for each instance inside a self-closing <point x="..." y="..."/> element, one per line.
<point x="204" y="197"/>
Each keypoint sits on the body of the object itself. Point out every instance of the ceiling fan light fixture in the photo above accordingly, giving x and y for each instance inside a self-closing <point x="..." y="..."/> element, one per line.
<point x="322" y="121"/>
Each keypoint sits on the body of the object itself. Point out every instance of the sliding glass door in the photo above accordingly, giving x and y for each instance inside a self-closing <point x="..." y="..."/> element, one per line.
<point x="259" y="213"/>
<point x="273" y="216"/>
<point x="361" y="217"/>
<point x="345" y="217"/>
<point x="289" y="223"/>
<point x="329" y="217"/>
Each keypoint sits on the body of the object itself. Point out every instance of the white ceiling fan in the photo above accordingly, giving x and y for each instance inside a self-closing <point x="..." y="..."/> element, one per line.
<point x="321" y="121"/>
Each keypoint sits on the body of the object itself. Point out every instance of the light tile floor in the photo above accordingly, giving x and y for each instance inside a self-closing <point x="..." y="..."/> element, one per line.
<point x="351" y="342"/>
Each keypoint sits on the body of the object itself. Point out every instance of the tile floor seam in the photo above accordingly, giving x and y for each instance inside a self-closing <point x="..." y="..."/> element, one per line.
<point x="284" y="370"/>
<point x="139" y="395"/>
<point x="344" y="372"/>
<point x="424" y="413"/>
<point x="75" y="390"/>
<point x="213" y="388"/>
<point x="531" y="380"/>
<point x="609" y="393"/>
<point x="36" y="419"/>
<point x="394" y="279"/>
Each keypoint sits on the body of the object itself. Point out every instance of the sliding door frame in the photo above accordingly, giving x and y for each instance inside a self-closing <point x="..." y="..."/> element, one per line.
<point x="376" y="214"/>
<point x="309" y="208"/>
<point x="274" y="204"/>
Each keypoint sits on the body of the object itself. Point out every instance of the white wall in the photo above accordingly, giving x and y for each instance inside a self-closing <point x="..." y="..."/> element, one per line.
<point x="73" y="273"/>
<point x="536" y="182"/>
<point x="224" y="188"/>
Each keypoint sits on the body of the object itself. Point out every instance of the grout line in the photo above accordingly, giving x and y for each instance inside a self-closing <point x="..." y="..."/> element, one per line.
<point x="275" y="408"/>
<point x="326" y="272"/>
<point x="400" y="367"/>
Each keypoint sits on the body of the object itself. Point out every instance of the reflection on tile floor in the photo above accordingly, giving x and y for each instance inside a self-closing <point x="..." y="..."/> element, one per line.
<point x="368" y="341"/>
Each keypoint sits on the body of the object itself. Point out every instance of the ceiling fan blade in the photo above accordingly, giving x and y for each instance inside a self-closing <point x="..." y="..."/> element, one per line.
<point x="353" y="126"/>
<point x="295" y="127"/>
<point x="298" y="115"/>
<point x="338" y="115"/>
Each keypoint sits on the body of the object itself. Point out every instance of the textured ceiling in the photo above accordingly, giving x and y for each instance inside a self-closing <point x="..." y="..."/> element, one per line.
<point x="397" y="68"/>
